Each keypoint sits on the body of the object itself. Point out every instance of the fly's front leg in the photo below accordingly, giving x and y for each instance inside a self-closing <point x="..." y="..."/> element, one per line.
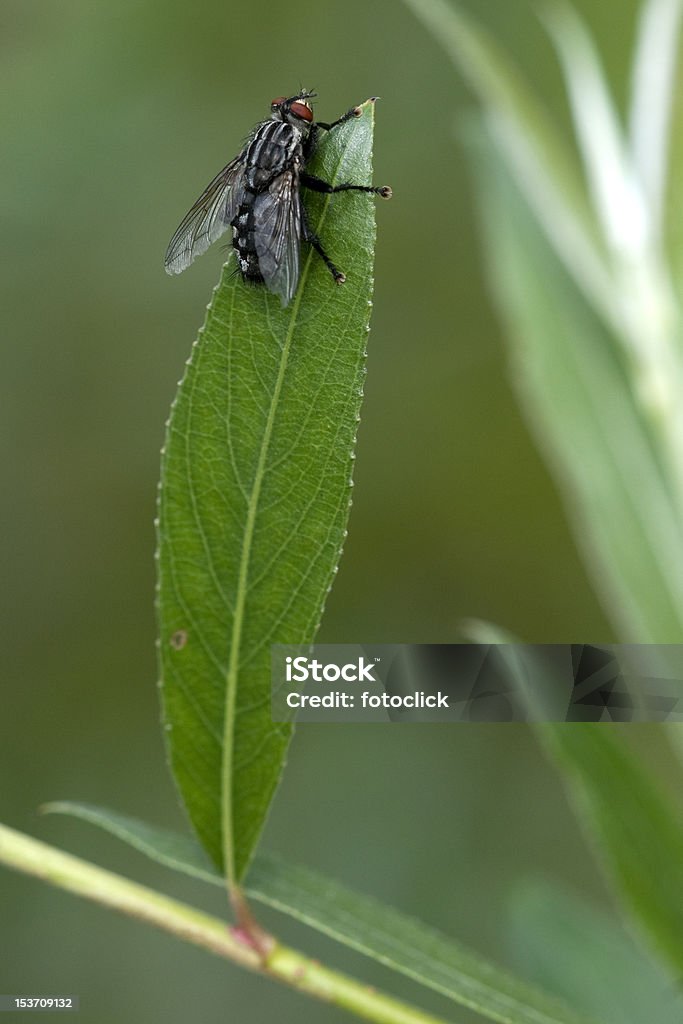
<point x="318" y="185"/>
<point x="312" y="140"/>
<point x="348" y="116"/>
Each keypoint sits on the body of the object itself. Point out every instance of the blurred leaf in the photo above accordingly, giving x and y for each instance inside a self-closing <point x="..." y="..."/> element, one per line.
<point x="672" y="215"/>
<point x="588" y="299"/>
<point x="254" y="500"/>
<point x="626" y="185"/>
<point x="614" y="185"/>
<point x="582" y="955"/>
<point x="357" y="921"/>
<point x="638" y="832"/>
<point x="545" y="167"/>
<point x="655" y="67"/>
<point x="575" y="390"/>
<point x="172" y="849"/>
<point x="402" y="943"/>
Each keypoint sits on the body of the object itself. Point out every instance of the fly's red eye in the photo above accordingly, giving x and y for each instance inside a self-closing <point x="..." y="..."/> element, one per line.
<point x="277" y="102"/>
<point x="302" y="111"/>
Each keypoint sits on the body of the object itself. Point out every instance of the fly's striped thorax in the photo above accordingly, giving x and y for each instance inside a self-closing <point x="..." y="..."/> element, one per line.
<point x="276" y="147"/>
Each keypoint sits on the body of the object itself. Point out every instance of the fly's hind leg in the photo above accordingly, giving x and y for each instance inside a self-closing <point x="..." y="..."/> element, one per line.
<point x="310" y="236"/>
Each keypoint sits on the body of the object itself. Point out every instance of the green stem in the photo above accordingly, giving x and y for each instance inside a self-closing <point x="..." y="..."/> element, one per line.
<point x="23" y="853"/>
<point x="309" y="976"/>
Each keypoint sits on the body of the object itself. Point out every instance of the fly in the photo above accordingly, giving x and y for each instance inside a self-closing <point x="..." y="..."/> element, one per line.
<point x="258" y="196"/>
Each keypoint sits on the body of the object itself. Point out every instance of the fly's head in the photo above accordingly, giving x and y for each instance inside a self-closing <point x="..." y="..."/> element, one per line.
<point x="295" y="110"/>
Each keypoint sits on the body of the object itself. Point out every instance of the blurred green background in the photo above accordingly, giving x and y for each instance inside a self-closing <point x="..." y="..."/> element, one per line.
<point x="114" y="117"/>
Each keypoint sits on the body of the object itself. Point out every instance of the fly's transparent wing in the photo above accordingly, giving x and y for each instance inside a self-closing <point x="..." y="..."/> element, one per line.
<point x="208" y="219"/>
<point x="277" y="231"/>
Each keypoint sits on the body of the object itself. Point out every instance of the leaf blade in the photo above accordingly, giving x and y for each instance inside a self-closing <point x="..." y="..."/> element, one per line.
<point x="615" y="188"/>
<point x="256" y="485"/>
<point x="403" y="944"/>
<point x="174" y="850"/>
<point x="626" y="310"/>
<point x="636" y="830"/>
<point x="639" y="835"/>
<point x="576" y="392"/>
<point x="581" y="953"/>
<point x="651" y="101"/>
<point x="394" y="939"/>
<point x="533" y="142"/>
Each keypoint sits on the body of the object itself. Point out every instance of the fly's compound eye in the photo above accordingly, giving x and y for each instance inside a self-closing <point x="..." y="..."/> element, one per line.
<point x="302" y="110"/>
<point x="277" y="102"/>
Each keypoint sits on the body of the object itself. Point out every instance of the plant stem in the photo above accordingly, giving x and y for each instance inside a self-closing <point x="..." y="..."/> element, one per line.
<point x="309" y="976"/>
<point x="23" y="853"/>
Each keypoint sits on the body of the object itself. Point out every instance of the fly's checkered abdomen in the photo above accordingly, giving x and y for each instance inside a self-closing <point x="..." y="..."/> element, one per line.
<point x="244" y="239"/>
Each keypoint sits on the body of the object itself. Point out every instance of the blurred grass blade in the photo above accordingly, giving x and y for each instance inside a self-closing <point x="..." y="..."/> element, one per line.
<point x="672" y="214"/>
<point x="496" y="82"/>
<point x="642" y="287"/>
<point x="576" y="393"/>
<point x="581" y="258"/>
<point x="254" y="500"/>
<point x="637" y="831"/>
<point x="615" y="190"/>
<point x="649" y="319"/>
<point x="570" y="948"/>
<point x="595" y="323"/>
<point x="652" y="94"/>
<point x="355" y="920"/>
<point x="546" y="167"/>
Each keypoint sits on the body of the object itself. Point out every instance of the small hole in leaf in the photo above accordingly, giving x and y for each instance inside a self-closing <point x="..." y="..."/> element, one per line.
<point x="179" y="639"/>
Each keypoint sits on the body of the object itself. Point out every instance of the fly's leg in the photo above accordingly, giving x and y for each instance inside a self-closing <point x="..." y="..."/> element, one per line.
<point x="310" y="236"/>
<point x="348" y="116"/>
<point x="327" y="126"/>
<point x="318" y="185"/>
<point x="311" y="142"/>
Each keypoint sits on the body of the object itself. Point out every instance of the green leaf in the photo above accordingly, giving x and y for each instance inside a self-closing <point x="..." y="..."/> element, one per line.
<point x="672" y="214"/>
<point x="653" y="93"/>
<point x="403" y="943"/>
<point x="637" y="831"/>
<point x="545" y="166"/>
<point x="595" y="328"/>
<point x="615" y="189"/>
<point x="382" y="933"/>
<point x="172" y="849"/>
<point x="576" y="392"/>
<point x="626" y="186"/>
<point x="581" y="954"/>
<point x="254" y="500"/>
